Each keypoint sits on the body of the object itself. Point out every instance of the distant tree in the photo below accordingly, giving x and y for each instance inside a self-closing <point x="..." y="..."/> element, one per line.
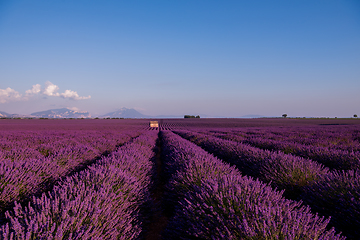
<point x="355" y="116"/>
<point x="284" y="115"/>
<point x="198" y="116"/>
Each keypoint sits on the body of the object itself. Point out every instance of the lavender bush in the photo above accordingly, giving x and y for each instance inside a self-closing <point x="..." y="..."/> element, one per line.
<point x="216" y="202"/>
<point x="99" y="203"/>
<point x="28" y="160"/>
<point x="338" y="193"/>
<point x="302" y="178"/>
<point x="283" y="171"/>
<point x="332" y="158"/>
<point x="335" y="147"/>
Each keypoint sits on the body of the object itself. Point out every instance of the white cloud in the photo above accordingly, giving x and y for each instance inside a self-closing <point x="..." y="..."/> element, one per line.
<point x="51" y="89"/>
<point x="8" y="94"/>
<point x="73" y="95"/>
<point x="34" y="90"/>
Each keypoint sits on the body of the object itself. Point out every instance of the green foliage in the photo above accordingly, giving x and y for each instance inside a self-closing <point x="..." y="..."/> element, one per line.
<point x="191" y="116"/>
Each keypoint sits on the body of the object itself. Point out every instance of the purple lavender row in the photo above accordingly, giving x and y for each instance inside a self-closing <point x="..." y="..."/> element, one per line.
<point x="284" y="171"/>
<point x="301" y="178"/>
<point x="337" y="194"/>
<point x="332" y="158"/>
<point x="345" y="138"/>
<point x="214" y="201"/>
<point x="24" y="170"/>
<point x="24" y="144"/>
<point x="343" y="154"/>
<point x="331" y="137"/>
<point x="102" y="202"/>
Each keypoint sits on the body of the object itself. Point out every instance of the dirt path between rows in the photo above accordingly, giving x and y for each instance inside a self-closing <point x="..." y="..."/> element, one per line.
<point x="158" y="220"/>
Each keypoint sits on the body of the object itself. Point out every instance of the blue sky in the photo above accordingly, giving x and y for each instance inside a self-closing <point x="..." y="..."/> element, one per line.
<point x="215" y="58"/>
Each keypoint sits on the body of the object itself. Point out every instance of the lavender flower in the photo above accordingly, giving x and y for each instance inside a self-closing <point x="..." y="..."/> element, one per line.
<point x="214" y="201"/>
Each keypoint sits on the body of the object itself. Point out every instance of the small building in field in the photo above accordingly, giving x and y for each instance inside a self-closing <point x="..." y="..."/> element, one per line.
<point x="154" y="124"/>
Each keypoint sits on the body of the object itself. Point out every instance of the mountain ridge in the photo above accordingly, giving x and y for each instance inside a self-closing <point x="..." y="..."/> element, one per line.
<point x="5" y="114"/>
<point x="61" y="113"/>
<point x="120" y="113"/>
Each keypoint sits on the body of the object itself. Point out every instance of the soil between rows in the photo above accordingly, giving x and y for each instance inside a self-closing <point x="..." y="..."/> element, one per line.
<point x="158" y="220"/>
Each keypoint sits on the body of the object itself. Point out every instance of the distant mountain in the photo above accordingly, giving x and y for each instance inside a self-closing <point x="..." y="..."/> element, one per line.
<point x="6" y="115"/>
<point x="125" y="113"/>
<point x="132" y="113"/>
<point x="61" y="113"/>
<point x="121" y="113"/>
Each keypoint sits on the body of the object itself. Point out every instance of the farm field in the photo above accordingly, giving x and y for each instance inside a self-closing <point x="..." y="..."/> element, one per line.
<point x="186" y="179"/>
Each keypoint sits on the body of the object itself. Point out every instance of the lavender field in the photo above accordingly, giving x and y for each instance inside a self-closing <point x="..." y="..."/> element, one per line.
<point x="186" y="179"/>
